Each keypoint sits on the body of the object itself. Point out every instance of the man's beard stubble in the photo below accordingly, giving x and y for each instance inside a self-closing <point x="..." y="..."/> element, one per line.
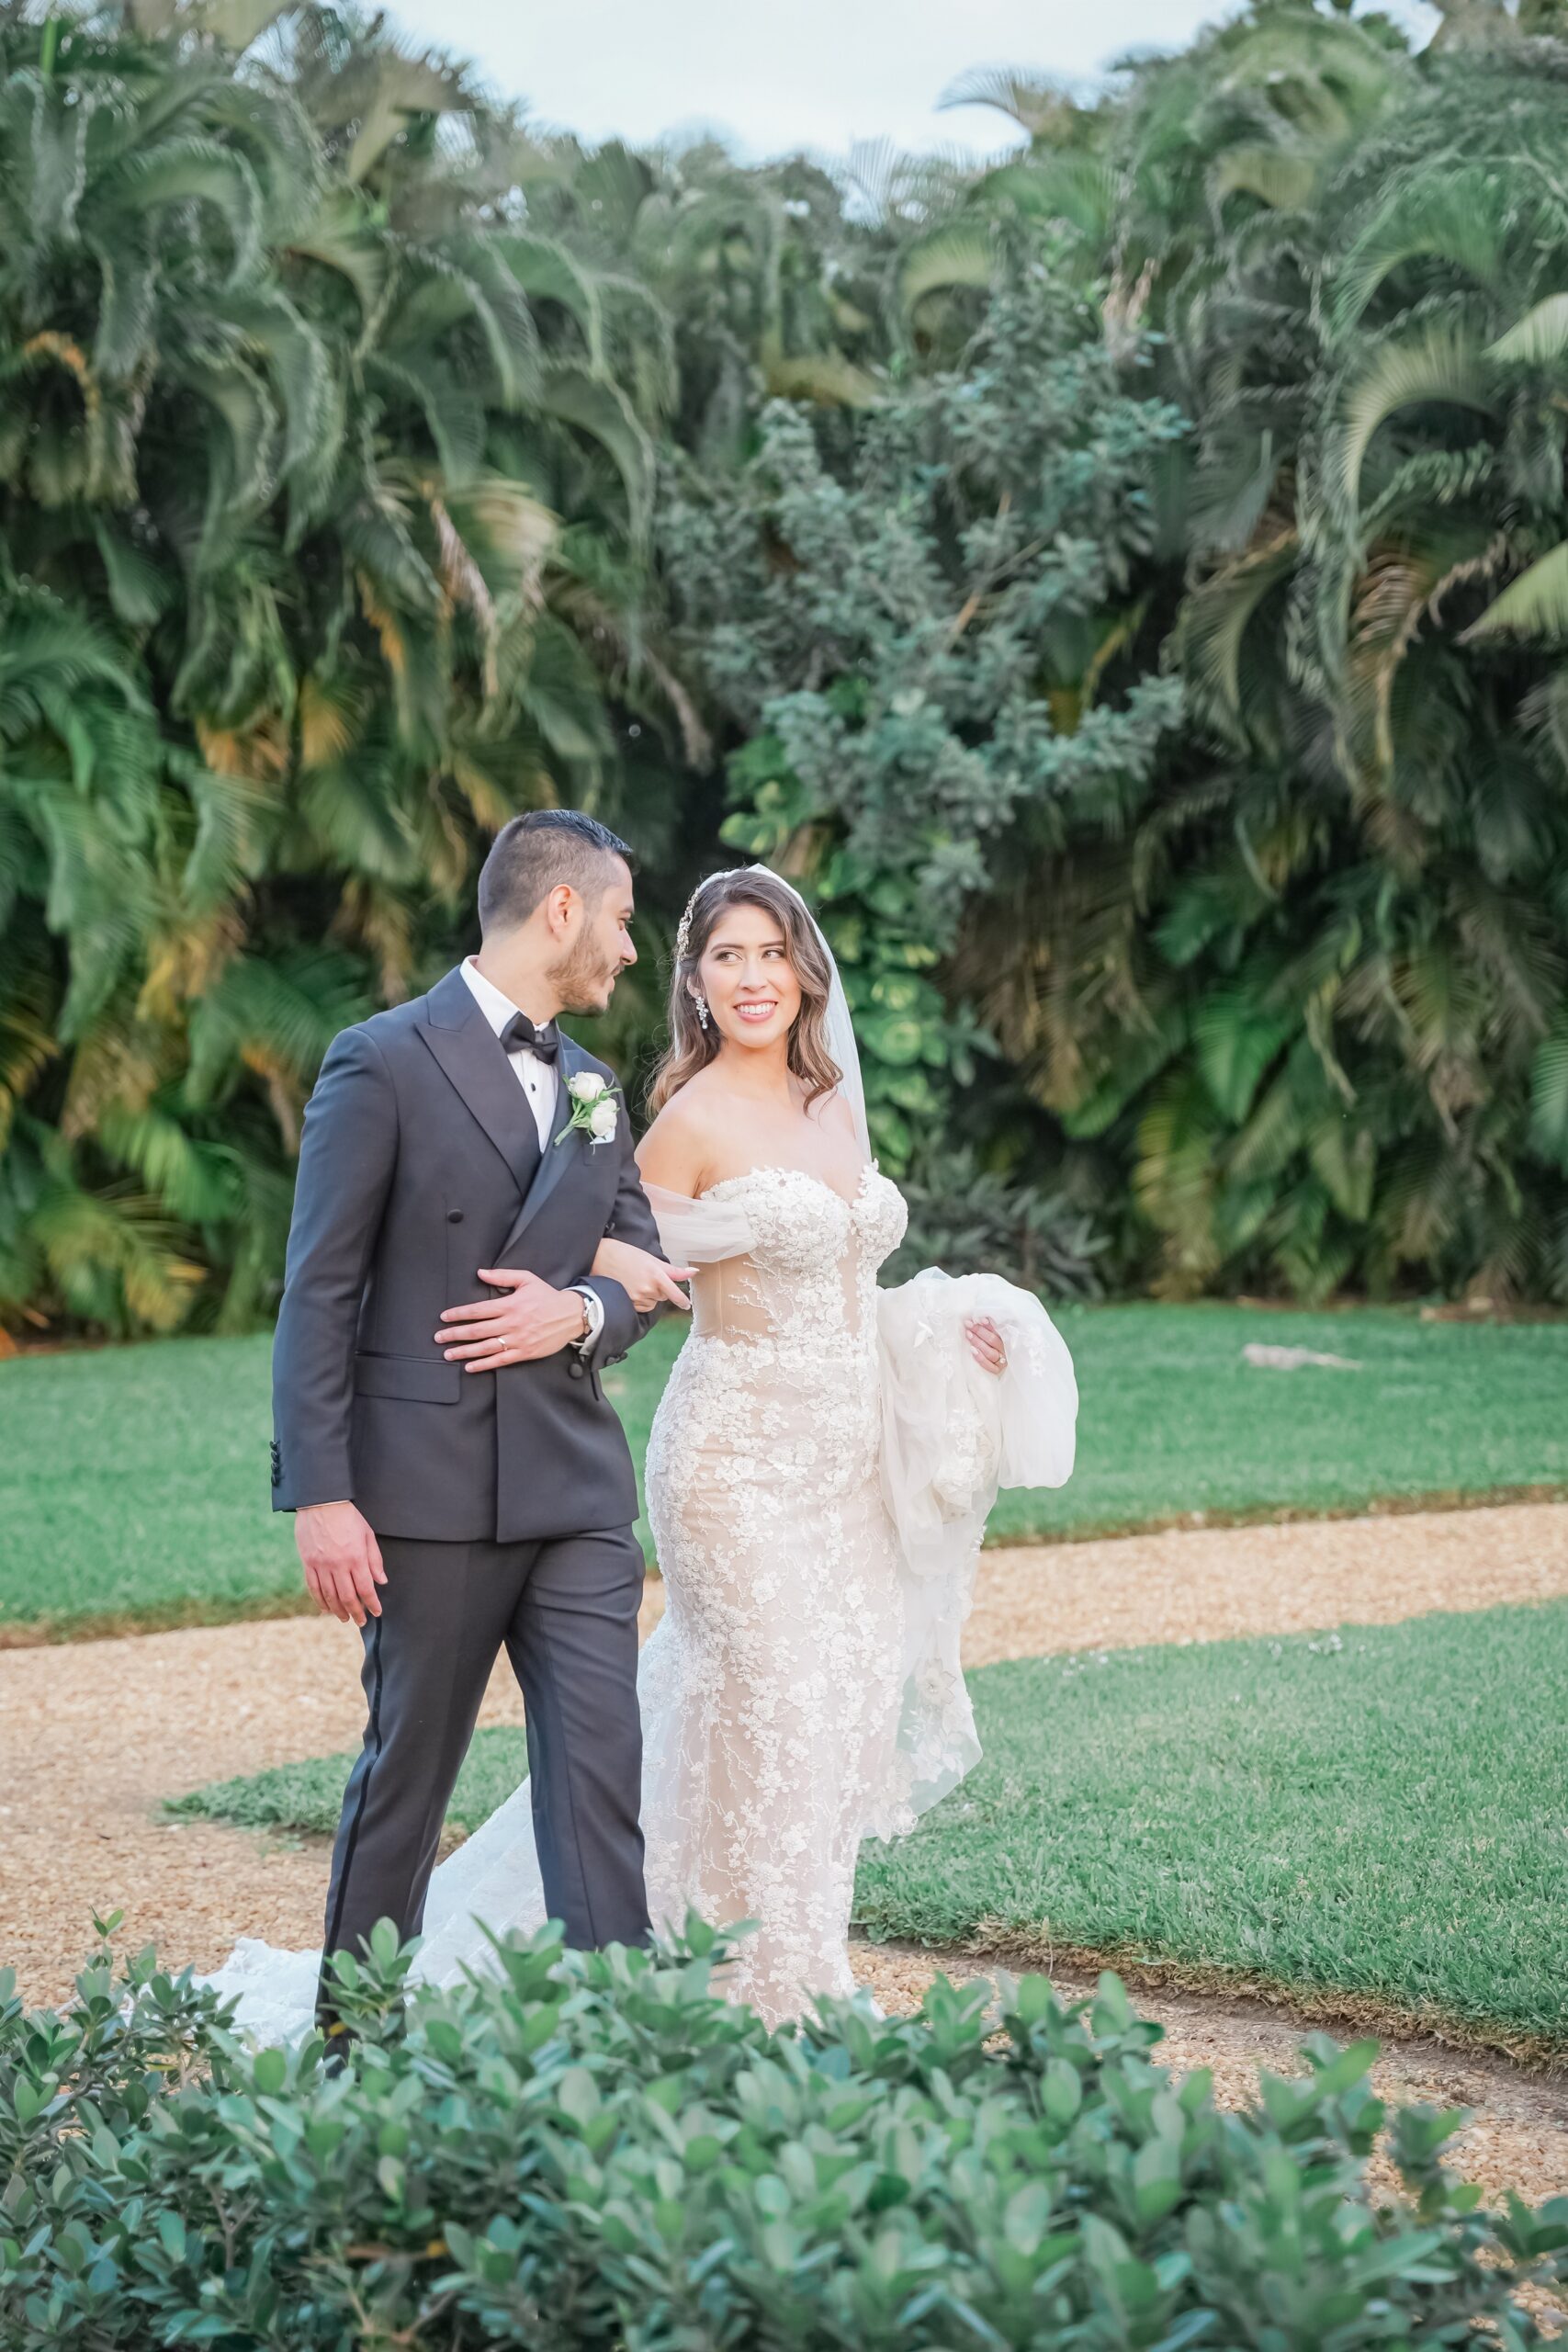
<point x="585" y="978"/>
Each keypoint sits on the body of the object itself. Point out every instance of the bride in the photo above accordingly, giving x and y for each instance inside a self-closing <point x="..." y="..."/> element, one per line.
<point x="818" y="1474"/>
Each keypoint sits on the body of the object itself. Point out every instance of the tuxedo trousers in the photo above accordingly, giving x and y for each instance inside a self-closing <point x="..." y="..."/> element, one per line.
<point x="565" y="1610"/>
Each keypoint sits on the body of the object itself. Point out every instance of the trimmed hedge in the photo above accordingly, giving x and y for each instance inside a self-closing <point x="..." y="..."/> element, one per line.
<point x="593" y="2151"/>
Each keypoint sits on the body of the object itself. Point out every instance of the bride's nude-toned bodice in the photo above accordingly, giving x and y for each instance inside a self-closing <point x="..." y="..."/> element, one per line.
<point x="813" y="1261"/>
<point x="790" y="1325"/>
<point x="771" y="1691"/>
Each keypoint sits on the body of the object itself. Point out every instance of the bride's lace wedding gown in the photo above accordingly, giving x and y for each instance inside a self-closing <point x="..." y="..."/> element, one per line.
<point x="771" y="1689"/>
<point x="819" y="1475"/>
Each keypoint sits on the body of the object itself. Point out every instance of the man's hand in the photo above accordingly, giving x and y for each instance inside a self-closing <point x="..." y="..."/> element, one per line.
<point x="529" y="1320"/>
<point x="341" y="1560"/>
<point x="646" y="1280"/>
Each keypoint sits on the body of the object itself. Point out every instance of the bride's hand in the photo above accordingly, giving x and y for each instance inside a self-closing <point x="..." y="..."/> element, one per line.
<point x="646" y="1280"/>
<point x="987" y="1345"/>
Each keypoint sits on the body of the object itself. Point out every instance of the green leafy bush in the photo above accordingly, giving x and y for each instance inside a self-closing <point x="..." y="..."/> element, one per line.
<point x="970" y="1220"/>
<point x="593" y="2151"/>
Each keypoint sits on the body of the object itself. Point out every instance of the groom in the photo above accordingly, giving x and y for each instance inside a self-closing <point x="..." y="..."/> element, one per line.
<point x="459" y="1479"/>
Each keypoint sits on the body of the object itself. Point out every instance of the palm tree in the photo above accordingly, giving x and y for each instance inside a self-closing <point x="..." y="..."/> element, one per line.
<point x="318" y="499"/>
<point x="1316" y="994"/>
<point x="358" y="439"/>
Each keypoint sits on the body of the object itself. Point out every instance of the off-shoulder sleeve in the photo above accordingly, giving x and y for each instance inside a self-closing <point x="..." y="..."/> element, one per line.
<point x="701" y="1232"/>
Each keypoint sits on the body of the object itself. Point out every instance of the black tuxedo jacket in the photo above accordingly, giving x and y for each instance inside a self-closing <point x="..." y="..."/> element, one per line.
<point x="421" y="1163"/>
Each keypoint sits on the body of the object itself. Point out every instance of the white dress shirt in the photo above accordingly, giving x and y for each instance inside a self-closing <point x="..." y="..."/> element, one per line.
<point x="539" y="1081"/>
<point x="537" y="1078"/>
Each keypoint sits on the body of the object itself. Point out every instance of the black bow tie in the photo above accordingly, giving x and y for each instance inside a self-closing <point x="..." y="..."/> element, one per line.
<point x="520" y="1031"/>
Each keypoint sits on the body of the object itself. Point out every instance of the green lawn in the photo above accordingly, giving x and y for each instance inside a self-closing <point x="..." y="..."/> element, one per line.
<point x="306" y="1798"/>
<point x="1381" y="1811"/>
<point x="1172" y="1421"/>
<point x="133" y="1481"/>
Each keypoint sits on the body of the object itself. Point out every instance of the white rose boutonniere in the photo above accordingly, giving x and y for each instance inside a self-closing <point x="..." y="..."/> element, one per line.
<point x="595" y="1113"/>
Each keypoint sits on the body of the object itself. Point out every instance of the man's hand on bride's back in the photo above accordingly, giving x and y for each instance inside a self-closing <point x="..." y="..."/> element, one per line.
<point x="340" y="1558"/>
<point x="646" y="1280"/>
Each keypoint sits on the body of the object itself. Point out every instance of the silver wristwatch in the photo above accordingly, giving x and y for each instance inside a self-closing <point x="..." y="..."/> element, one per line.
<point x="593" y="1309"/>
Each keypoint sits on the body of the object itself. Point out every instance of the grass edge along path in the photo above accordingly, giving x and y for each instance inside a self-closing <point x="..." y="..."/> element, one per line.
<point x="1339" y="1822"/>
<point x="1374" y="1819"/>
<point x="1327" y="2008"/>
<point x="267" y="1607"/>
<point x="133" y="1494"/>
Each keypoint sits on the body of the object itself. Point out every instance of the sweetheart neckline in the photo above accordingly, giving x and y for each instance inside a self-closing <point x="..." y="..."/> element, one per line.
<point x="783" y="1168"/>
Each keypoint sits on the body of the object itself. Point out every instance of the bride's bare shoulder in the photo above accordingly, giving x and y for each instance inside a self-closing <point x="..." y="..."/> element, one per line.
<point x="677" y="1150"/>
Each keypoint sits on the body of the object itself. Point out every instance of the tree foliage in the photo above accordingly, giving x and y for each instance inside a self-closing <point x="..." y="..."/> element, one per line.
<point x="321" y="512"/>
<point x="1128" y="584"/>
<point x="910" y="614"/>
<point x="1302" y="1020"/>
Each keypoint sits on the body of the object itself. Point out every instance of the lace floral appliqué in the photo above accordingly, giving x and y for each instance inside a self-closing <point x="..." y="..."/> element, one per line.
<point x="771" y="1691"/>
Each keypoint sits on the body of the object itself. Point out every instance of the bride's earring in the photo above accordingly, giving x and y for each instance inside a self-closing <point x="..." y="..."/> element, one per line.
<point x="701" y="1004"/>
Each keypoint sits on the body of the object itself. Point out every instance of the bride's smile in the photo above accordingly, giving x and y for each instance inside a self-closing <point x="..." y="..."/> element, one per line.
<point x="747" y="981"/>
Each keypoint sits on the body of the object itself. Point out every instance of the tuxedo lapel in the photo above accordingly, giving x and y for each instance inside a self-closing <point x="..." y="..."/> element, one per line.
<point x="473" y="1057"/>
<point x="560" y="1157"/>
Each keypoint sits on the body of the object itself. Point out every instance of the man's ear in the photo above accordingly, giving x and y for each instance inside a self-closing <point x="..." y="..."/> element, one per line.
<point x="558" y="903"/>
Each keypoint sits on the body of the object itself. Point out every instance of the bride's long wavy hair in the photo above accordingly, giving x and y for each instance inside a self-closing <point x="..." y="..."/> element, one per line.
<point x="691" y="1046"/>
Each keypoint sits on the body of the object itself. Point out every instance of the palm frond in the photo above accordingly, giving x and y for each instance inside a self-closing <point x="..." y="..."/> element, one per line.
<point x="1537" y="339"/>
<point x="1438" y="366"/>
<point x="1534" y="605"/>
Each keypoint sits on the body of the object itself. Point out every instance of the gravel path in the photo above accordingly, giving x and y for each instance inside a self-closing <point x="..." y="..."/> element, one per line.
<point x="94" y="1734"/>
<point x="1207" y="1584"/>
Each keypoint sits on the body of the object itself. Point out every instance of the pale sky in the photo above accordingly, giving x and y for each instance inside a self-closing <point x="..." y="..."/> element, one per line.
<point x="817" y="74"/>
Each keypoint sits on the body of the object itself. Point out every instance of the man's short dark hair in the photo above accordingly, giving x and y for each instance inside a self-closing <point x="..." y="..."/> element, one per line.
<point x="532" y="855"/>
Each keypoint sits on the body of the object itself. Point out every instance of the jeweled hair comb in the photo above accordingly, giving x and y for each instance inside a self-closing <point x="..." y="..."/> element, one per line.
<point x="683" y="931"/>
